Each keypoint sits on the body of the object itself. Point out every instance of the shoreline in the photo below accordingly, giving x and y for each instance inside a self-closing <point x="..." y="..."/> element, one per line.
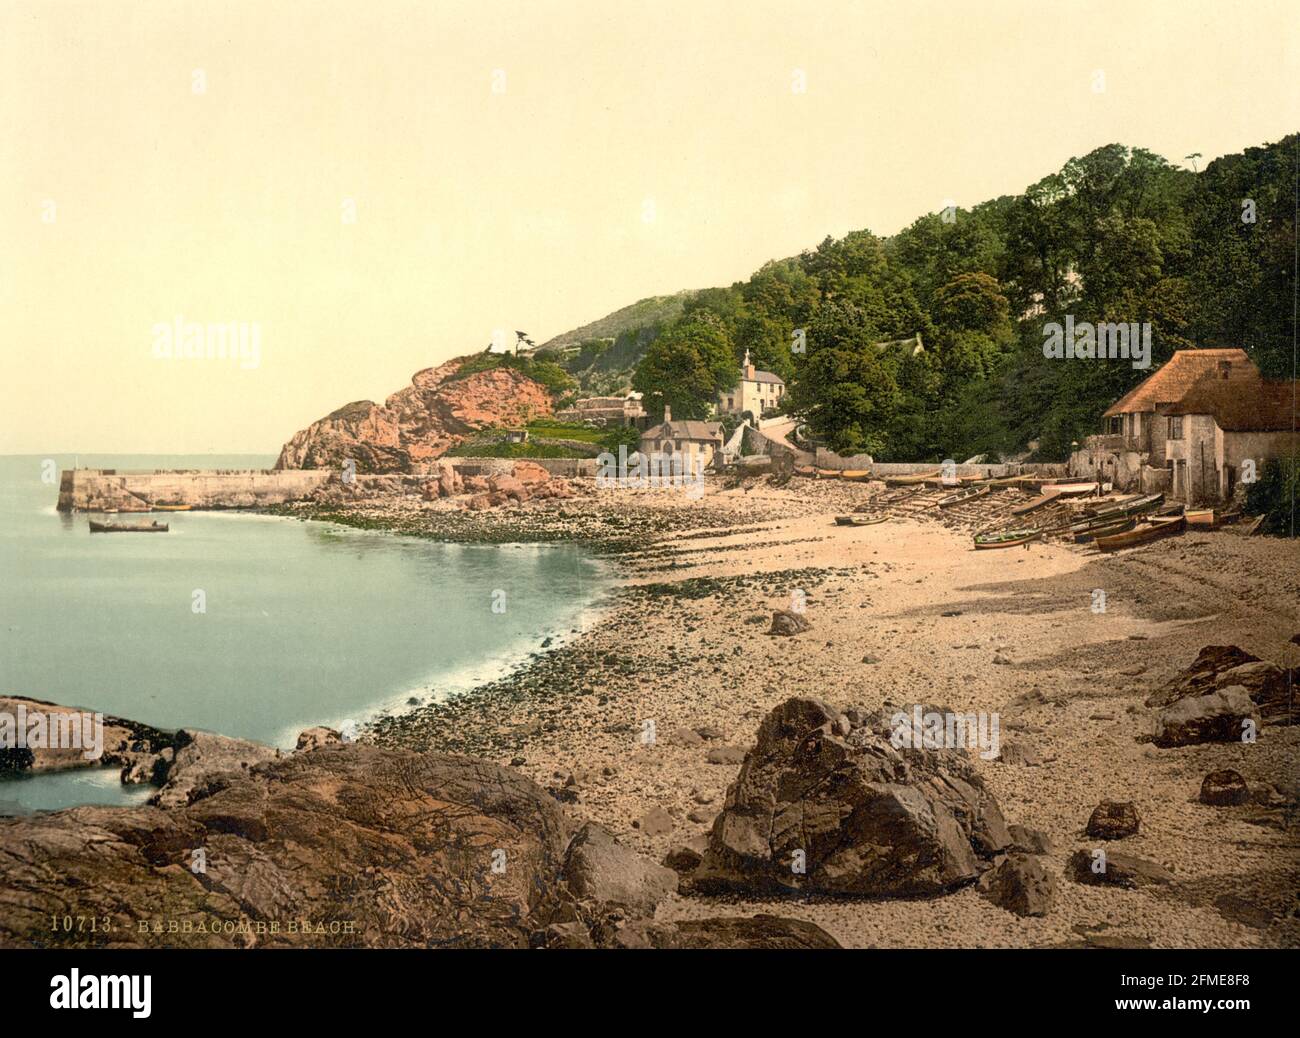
<point x="905" y="612"/>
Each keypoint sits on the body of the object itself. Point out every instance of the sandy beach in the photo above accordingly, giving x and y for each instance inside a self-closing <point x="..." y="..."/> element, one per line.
<point x="902" y="612"/>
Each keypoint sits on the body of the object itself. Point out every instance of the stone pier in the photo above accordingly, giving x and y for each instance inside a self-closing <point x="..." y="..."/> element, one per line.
<point x="99" y="490"/>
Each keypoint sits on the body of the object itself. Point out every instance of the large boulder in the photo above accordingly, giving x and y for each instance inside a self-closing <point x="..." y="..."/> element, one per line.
<point x="824" y="805"/>
<point x="1216" y="667"/>
<point x="601" y="870"/>
<point x="1218" y="716"/>
<point x="202" y="758"/>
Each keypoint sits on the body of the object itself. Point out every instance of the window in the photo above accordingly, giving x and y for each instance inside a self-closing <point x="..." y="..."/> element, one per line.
<point x="1225" y="367"/>
<point x="1176" y="427"/>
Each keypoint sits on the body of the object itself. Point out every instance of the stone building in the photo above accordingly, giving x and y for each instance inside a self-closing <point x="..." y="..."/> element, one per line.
<point x="757" y="392"/>
<point x="697" y="440"/>
<point x="1190" y="428"/>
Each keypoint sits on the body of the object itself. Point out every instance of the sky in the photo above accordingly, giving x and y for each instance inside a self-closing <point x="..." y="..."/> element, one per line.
<point x="372" y="188"/>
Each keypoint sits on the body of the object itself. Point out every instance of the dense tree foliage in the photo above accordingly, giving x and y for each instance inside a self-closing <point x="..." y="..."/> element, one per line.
<point x="1117" y="235"/>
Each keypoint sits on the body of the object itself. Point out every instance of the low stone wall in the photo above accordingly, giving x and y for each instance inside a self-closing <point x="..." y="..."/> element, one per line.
<point x="504" y="466"/>
<point x="97" y="490"/>
<point x="998" y="471"/>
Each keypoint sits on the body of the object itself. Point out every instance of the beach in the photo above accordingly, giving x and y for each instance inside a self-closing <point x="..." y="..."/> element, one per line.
<point x="639" y="720"/>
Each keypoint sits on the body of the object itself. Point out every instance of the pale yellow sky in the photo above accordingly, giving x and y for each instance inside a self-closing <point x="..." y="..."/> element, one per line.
<point x="198" y="159"/>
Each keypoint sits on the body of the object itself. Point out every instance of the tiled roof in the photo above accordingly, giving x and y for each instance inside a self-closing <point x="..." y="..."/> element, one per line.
<point x="766" y="376"/>
<point x="1178" y="375"/>
<point x="1240" y="406"/>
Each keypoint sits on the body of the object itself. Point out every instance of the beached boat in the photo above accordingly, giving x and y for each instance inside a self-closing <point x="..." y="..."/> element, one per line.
<point x="1149" y="531"/>
<point x="1006" y="538"/>
<point x="1069" y="489"/>
<point x="171" y="508"/>
<point x="1134" y="506"/>
<point x="828" y="473"/>
<point x="856" y="475"/>
<point x="859" y="520"/>
<point x="1108" y="530"/>
<point x="153" y="527"/>
<point x="962" y="496"/>
<point x="1203" y="517"/>
<point x="807" y="471"/>
<point x="910" y="481"/>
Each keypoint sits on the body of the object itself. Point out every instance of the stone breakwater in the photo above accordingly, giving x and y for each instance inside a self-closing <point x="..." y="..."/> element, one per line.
<point x="100" y="490"/>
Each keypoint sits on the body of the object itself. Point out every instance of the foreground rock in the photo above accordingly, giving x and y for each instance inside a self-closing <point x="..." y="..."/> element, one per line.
<point x="1020" y="884"/>
<point x="824" y="804"/>
<point x="601" y="870"/>
<point x="1218" y="667"/>
<point x="758" y="932"/>
<point x="1117" y="869"/>
<point x="787" y="622"/>
<point x="1224" y="715"/>
<point x="202" y="759"/>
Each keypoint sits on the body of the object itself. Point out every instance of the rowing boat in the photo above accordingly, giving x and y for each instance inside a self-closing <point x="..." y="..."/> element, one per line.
<point x="828" y="473"/>
<point x="1202" y="517"/>
<point x="859" y="520"/>
<point x="1006" y="538"/>
<point x="856" y="475"/>
<point x="153" y="527"/>
<point x="1069" y="489"/>
<point x="1135" y="506"/>
<point x="909" y="481"/>
<point x="1148" y="531"/>
<point x="807" y="471"/>
<point x="966" y="494"/>
<point x="1108" y="530"/>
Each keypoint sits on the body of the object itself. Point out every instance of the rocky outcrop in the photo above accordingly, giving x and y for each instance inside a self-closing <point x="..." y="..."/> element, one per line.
<point x="601" y="870"/>
<point x="824" y="803"/>
<point x="1218" y="667"/>
<point x="200" y="759"/>
<point x="419" y="423"/>
<point x="125" y="744"/>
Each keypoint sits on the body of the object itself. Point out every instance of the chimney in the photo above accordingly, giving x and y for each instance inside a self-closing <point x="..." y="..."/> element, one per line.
<point x="668" y="413"/>
<point x="749" y="368"/>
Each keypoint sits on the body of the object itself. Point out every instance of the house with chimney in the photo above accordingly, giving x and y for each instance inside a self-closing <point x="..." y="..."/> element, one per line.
<point x="757" y="392"/>
<point x="1193" y="428"/>
<point x="697" y="441"/>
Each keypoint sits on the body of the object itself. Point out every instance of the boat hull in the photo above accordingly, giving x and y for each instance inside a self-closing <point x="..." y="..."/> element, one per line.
<point x="1144" y="534"/>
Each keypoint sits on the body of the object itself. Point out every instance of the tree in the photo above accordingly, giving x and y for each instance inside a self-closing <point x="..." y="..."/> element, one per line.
<point x="846" y="393"/>
<point x="687" y="366"/>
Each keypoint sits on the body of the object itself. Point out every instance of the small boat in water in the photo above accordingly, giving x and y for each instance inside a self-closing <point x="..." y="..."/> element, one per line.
<point x="153" y="527"/>
<point x="962" y="496"/>
<point x="1006" y="538"/>
<point x="859" y="520"/>
<point x="1151" y="530"/>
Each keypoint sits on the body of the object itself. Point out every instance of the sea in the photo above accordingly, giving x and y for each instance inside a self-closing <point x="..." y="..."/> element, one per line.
<point x="250" y="625"/>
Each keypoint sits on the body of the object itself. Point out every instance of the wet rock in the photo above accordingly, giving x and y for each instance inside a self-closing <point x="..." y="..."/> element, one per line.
<point x="1113" y="820"/>
<point x="599" y="869"/>
<point x="1218" y="716"/>
<point x="787" y="622"/>
<point x="1020" y="884"/>
<point x="1116" y="869"/>
<point x="1224" y="788"/>
<point x="818" y="811"/>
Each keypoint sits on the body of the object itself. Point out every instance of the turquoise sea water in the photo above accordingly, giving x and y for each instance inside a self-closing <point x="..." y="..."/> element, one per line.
<point x="305" y="623"/>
